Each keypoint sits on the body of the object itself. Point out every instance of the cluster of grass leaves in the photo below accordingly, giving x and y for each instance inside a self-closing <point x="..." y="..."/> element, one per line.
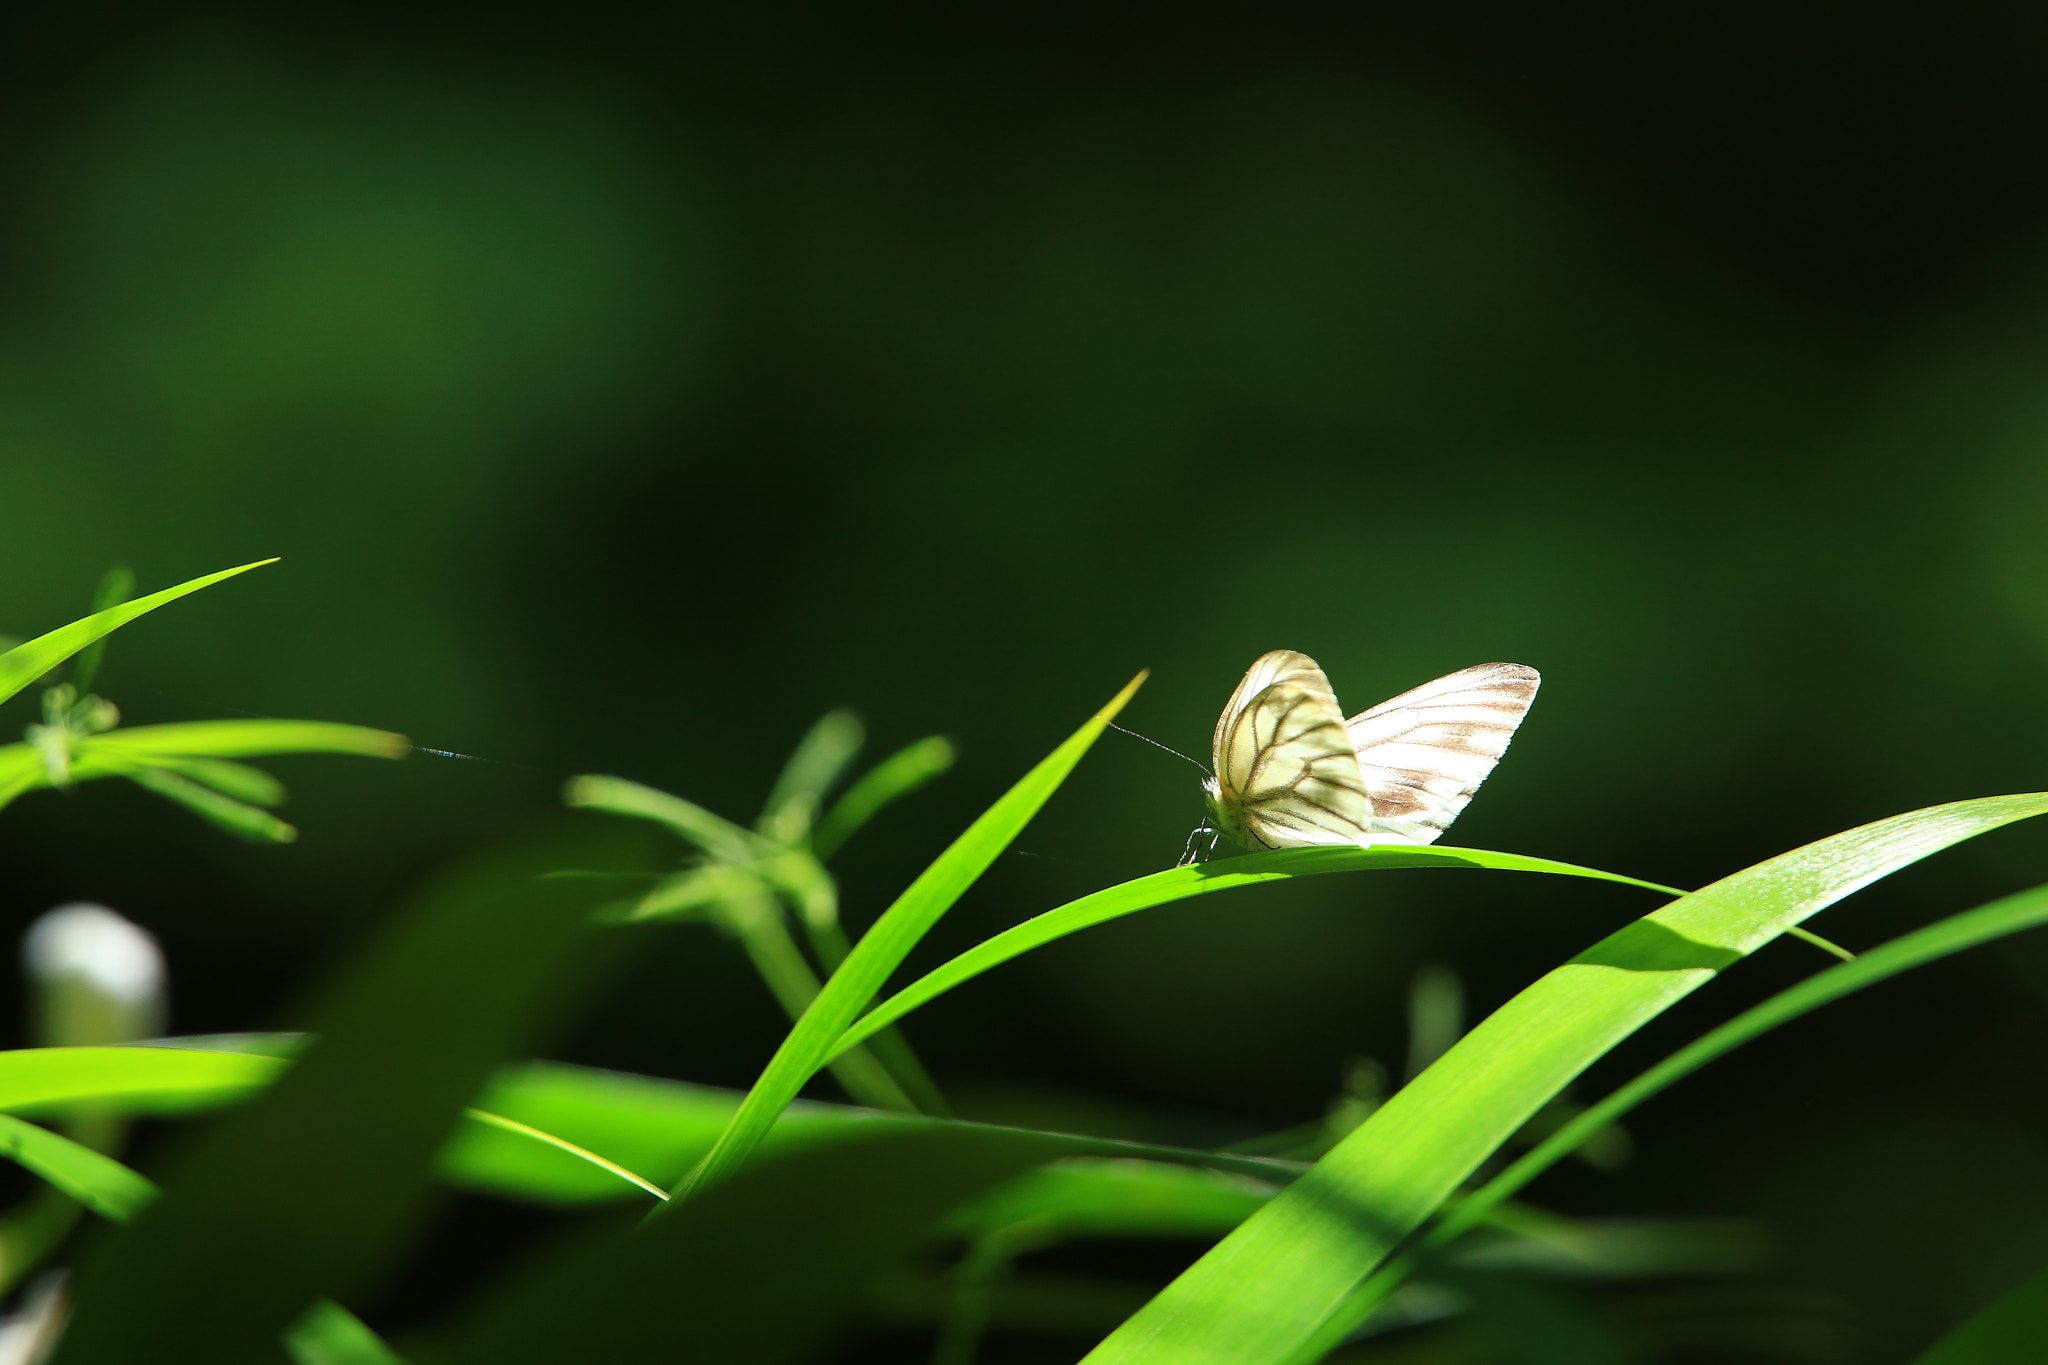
<point x="758" y="1227"/>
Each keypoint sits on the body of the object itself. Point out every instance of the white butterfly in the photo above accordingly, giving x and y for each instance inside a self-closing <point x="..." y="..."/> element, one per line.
<point x="1292" y="772"/>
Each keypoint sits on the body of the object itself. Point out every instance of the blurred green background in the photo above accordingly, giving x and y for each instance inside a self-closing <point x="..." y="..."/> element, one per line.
<point x="625" y="388"/>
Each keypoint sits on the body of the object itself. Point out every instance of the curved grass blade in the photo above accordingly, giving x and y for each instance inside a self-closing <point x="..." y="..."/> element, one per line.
<point x="545" y="1138"/>
<point x="2010" y="915"/>
<point x="895" y="777"/>
<point x="1261" y="1294"/>
<point x="99" y="1182"/>
<point x="716" y="835"/>
<point x="28" y="661"/>
<point x="885" y="945"/>
<point x="1196" y="879"/>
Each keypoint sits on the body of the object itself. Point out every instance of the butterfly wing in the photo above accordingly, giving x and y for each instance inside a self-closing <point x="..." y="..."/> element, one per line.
<point x="1423" y="753"/>
<point x="1287" y="773"/>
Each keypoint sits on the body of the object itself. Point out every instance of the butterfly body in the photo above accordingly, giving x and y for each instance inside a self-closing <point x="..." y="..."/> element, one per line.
<point x="1292" y="772"/>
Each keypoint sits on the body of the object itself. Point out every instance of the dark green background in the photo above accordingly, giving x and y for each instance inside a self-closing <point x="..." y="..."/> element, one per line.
<point x="624" y="388"/>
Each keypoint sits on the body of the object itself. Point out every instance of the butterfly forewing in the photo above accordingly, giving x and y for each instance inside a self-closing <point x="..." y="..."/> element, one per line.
<point x="1422" y="754"/>
<point x="1287" y="773"/>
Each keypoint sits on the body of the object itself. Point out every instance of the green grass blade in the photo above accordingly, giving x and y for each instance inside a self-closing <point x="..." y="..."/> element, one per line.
<point x="1178" y="883"/>
<point x="241" y="739"/>
<point x="818" y="763"/>
<point x="99" y="1182"/>
<point x="1263" y="1292"/>
<point x="662" y="1128"/>
<point x="236" y="817"/>
<point x="885" y="945"/>
<point x="116" y="586"/>
<point x="896" y="776"/>
<point x="26" y="662"/>
<point x="547" y="1139"/>
<point x="716" y="835"/>
<point x="331" y="1335"/>
<point x="1952" y="935"/>
<point x="2012" y="1331"/>
<point x="132" y="1080"/>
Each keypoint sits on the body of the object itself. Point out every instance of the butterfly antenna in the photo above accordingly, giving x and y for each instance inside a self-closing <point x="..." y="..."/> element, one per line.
<point x="1157" y="745"/>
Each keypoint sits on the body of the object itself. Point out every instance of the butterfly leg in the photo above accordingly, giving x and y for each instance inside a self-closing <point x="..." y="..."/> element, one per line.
<point x="1191" y="854"/>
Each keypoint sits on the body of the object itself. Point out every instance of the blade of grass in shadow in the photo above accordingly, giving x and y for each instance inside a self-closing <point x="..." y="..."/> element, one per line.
<point x="308" y="1191"/>
<point x="2012" y="1331"/>
<point x="1262" y="1293"/>
<point x="29" y="660"/>
<point x="2009" y="915"/>
<point x="1178" y="883"/>
<point x="885" y="945"/>
<point x="759" y="1270"/>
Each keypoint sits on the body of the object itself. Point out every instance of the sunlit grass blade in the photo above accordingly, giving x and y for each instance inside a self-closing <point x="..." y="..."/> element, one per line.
<point x="661" y="1128"/>
<point x="132" y="1080"/>
<point x="99" y="1182"/>
<point x="896" y="776"/>
<point x="2010" y="915"/>
<point x="885" y="945"/>
<point x="1197" y="879"/>
<point x="2012" y="1331"/>
<point x="243" y="739"/>
<point x="331" y="1335"/>
<point x="28" y="661"/>
<point x="533" y="1134"/>
<point x="1262" y="1293"/>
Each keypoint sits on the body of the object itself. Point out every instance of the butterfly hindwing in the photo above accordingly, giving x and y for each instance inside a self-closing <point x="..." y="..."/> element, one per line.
<point x="1287" y="773"/>
<point x="1422" y="754"/>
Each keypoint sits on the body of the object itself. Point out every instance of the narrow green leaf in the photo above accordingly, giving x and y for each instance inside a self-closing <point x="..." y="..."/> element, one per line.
<point x="819" y="761"/>
<point x="245" y="821"/>
<point x="1952" y="935"/>
<point x="584" y="1154"/>
<point x="885" y="945"/>
<point x="116" y="586"/>
<point x="1197" y="879"/>
<point x="896" y="776"/>
<point x="716" y="835"/>
<point x="242" y="739"/>
<point x="1262" y="1293"/>
<point x="25" y="663"/>
<point x="99" y="1182"/>
<point x="331" y="1335"/>
<point x="134" y="1080"/>
<point x="2012" y="1331"/>
<point x="232" y="779"/>
<point x="661" y="1128"/>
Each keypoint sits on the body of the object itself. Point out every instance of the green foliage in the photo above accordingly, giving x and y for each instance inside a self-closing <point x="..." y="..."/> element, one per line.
<point x="791" y="1219"/>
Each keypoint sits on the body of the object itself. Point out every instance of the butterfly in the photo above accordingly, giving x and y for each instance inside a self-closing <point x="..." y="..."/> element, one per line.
<point x="1292" y="772"/>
